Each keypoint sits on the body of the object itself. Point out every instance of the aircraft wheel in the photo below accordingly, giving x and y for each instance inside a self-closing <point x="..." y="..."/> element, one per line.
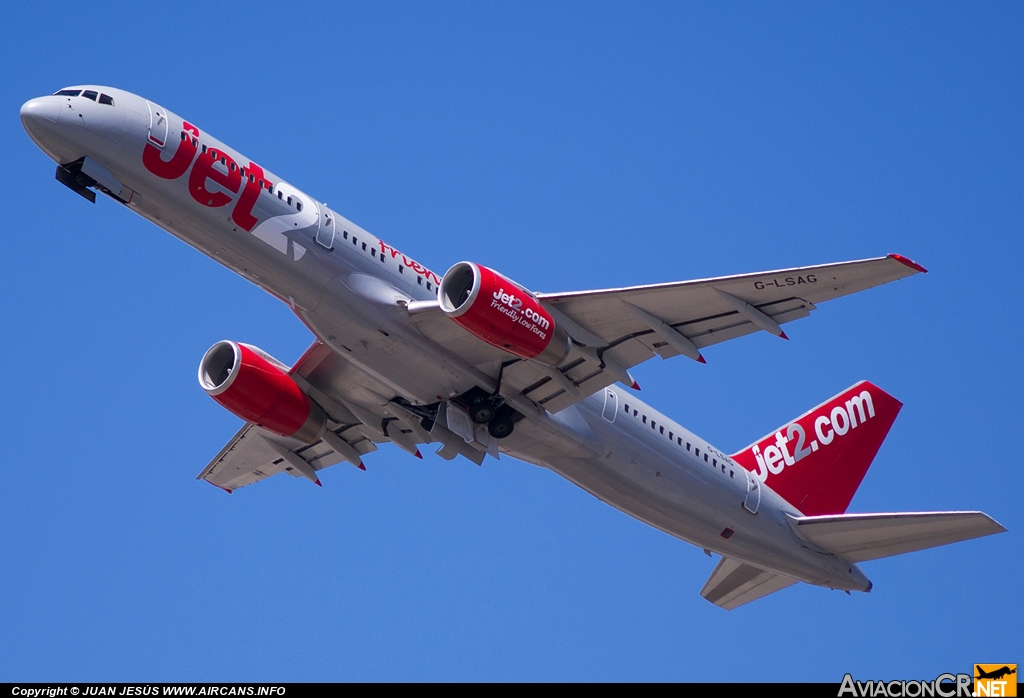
<point x="500" y="427"/>
<point x="482" y="412"/>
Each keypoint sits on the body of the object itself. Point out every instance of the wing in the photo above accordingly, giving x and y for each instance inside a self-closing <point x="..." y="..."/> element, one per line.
<point x="254" y="454"/>
<point x="627" y="326"/>
<point x="359" y="417"/>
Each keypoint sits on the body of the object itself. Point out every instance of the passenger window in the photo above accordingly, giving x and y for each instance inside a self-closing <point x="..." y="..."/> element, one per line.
<point x="280" y="195"/>
<point x="714" y="462"/>
<point x="401" y="269"/>
<point x="233" y="166"/>
<point x="697" y="451"/>
<point x="687" y="445"/>
<point x="355" y="240"/>
<point x="705" y="458"/>
<point x="194" y="142"/>
<point x="634" y="413"/>
<point x="204" y="149"/>
<point x="670" y="437"/>
<point x="224" y="160"/>
<point x="428" y="286"/>
<point x="182" y="135"/>
<point x="732" y="474"/>
<point x="644" y="418"/>
<point x="289" y="201"/>
<point x="653" y="425"/>
<point x="90" y="94"/>
<point x="679" y="439"/>
<point x="106" y="99"/>
<point x="364" y="247"/>
<point x="298" y="205"/>
<point x="344" y="234"/>
<point x="627" y="409"/>
<point x="662" y="430"/>
<point x="419" y="280"/>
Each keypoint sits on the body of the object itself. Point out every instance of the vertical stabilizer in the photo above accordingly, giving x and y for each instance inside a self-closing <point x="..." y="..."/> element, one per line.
<point x="817" y="461"/>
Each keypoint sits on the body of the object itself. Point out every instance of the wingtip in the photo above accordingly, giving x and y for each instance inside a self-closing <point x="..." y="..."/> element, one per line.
<point x="318" y="483"/>
<point x="636" y="386"/>
<point x="908" y="263"/>
<point x="701" y="359"/>
<point x="782" y="333"/>
<point x="418" y="454"/>
<point x="361" y="466"/>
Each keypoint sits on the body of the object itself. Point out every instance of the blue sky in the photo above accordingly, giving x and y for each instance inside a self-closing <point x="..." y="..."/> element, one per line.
<point x="583" y="145"/>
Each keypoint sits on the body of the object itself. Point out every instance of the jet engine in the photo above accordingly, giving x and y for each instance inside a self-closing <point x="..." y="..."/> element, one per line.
<point x="256" y="387"/>
<point x="502" y="313"/>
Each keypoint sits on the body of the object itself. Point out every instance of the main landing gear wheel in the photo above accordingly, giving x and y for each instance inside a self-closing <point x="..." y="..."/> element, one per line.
<point x="500" y="427"/>
<point x="483" y="411"/>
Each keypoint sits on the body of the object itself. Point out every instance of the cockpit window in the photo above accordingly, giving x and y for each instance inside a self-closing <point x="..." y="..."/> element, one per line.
<point x="67" y="93"/>
<point x="106" y="99"/>
<point x="90" y="94"/>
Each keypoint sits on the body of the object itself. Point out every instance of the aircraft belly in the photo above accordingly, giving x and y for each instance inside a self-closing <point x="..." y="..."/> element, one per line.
<point x="298" y="283"/>
<point x="687" y="503"/>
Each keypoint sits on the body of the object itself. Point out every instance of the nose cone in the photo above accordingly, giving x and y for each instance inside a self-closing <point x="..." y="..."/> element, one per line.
<point x="40" y="115"/>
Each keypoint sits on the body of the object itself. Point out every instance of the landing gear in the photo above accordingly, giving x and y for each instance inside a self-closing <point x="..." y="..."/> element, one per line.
<point x="489" y="409"/>
<point x="72" y="177"/>
<point x="501" y="426"/>
<point x="483" y="411"/>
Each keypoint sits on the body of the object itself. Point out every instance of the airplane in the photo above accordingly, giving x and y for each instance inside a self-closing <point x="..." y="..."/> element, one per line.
<point x="479" y="365"/>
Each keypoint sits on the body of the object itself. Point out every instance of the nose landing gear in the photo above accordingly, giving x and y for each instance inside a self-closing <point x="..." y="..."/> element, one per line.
<point x="72" y="177"/>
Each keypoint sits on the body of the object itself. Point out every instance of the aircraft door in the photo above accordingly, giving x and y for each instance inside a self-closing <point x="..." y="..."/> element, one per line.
<point x="753" y="499"/>
<point x="325" y="228"/>
<point x="157" y="125"/>
<point x="611" y="405"/>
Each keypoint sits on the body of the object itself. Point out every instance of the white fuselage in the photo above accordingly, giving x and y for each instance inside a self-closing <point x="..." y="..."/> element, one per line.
<point x="610" y="444"/>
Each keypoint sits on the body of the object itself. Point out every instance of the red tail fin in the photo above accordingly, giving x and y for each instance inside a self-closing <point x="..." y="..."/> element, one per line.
<point x="817" y="461"/>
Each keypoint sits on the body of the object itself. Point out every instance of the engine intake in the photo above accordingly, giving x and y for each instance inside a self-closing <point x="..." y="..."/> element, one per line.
<point x="502" y="313"/>
<point x="256" y="387"/>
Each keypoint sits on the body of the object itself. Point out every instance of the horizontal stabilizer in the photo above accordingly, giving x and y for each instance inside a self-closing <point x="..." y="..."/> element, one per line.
<point x="735" y="583"/>
<point x="860" y="537"/>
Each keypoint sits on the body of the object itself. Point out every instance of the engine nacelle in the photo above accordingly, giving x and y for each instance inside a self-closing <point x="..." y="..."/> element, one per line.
<point x="256" y="387"/>
<point x="502" y="313"/>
